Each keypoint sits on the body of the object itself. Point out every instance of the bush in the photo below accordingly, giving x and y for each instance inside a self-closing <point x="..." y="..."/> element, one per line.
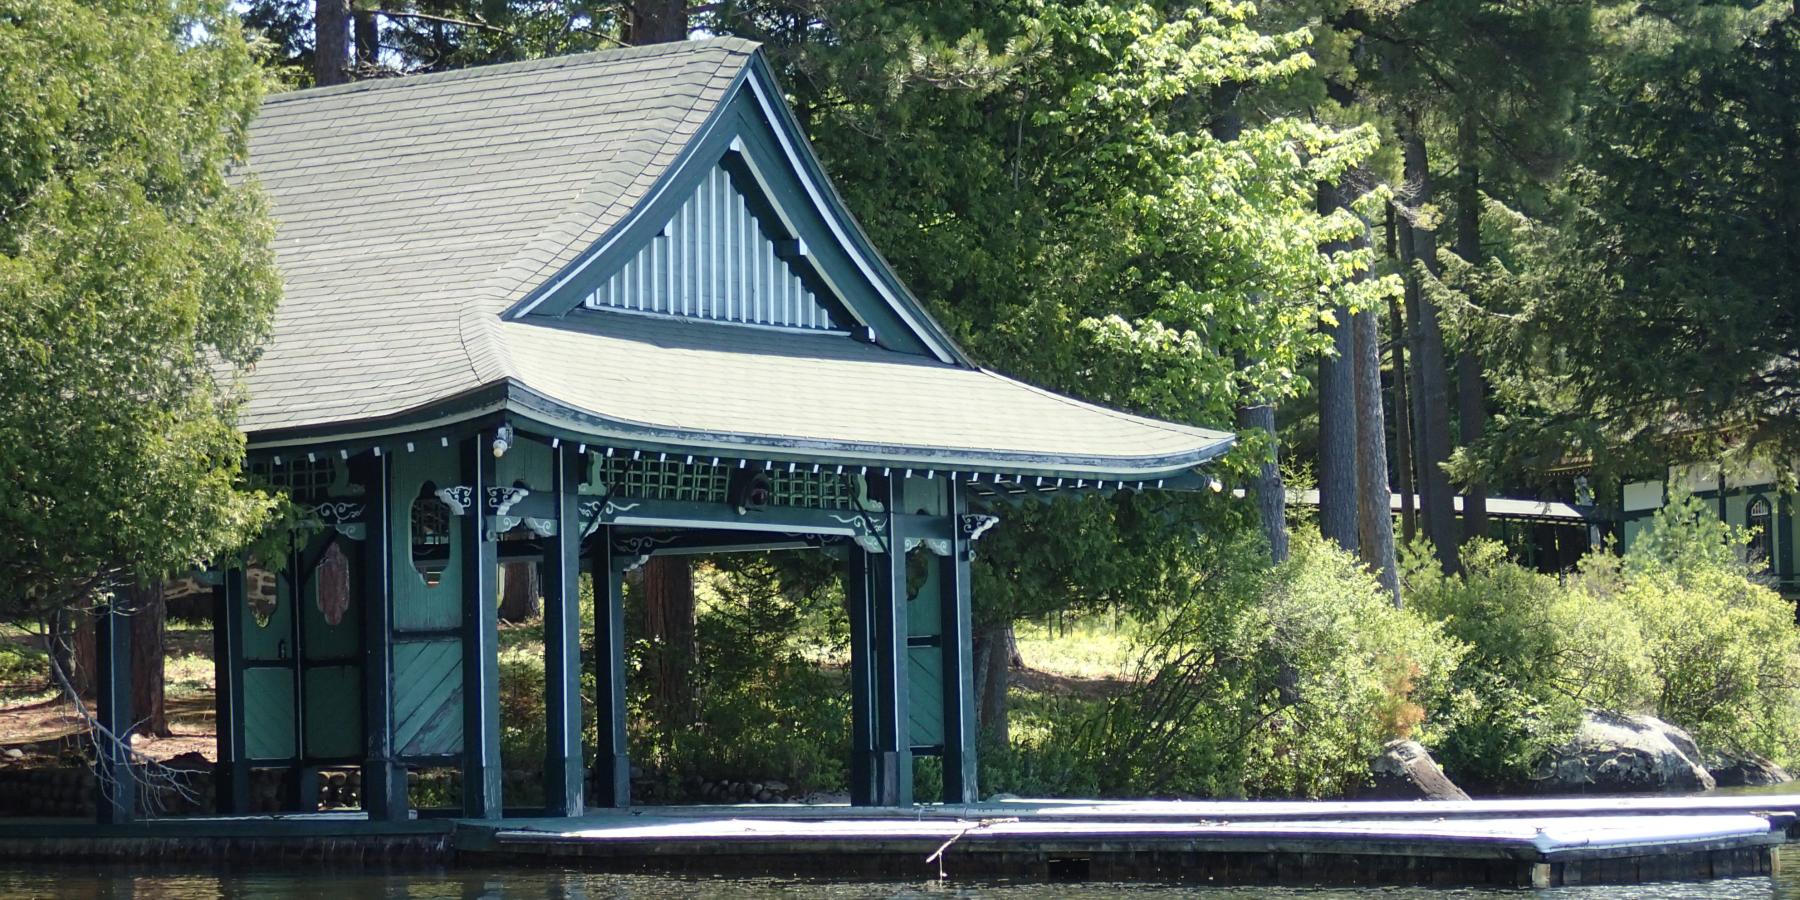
<point x="1677" y="628"/>
<point x="1721" y="649"/>
<point x="1266" y="682"/>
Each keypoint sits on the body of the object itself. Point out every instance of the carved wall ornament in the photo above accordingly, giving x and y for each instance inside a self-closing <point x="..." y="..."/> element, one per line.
<point x="501" y="499"/>
<point x="974" y="525"/>
<point x="459" y="497"/>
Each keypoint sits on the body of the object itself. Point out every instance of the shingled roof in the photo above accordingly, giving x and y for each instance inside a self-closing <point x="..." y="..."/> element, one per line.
<point x="415" y="215"/>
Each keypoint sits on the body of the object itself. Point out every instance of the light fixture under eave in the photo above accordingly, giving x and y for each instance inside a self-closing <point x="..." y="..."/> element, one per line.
<point x="503" y="440"/>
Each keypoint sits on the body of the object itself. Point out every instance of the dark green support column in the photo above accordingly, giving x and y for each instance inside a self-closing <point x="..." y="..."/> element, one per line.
<point x="231" y="774"/>
<point x="959" y="666"/>
<point x="481" y="639"/>
<point x="893" y="737"/>
<point x="864" y="760"/>
<point x="565" y="773"/>
<point x="612" y="782"/>
<point x="383" y="777"/>
<point x="116" y="800"/>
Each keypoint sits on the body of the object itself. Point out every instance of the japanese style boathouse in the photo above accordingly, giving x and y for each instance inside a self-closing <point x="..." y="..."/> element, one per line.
<point x="583" y="311"/>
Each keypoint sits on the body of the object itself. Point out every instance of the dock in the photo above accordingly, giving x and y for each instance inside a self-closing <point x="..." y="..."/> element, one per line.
<point x="1522" y="843"/>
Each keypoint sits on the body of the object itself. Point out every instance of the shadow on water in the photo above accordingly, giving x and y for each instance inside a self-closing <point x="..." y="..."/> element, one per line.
<point x="121" y="883"/>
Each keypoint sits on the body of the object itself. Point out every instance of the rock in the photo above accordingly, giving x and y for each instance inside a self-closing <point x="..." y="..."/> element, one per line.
<point x="763" y="796"/>
<point x="1623" y="754"/>
<point x="1745" y="770"/>
<point x="776" y="787"/>
<point x="1001" y="798"/>
<point x="14" y="753"/>
<point x="1404" y="770"/>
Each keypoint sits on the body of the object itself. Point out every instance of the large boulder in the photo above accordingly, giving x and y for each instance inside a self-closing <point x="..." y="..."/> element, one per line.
<point x="1405" y="771"/>
<point x="1613" y="753"/>
<point x="1745" y="770"/>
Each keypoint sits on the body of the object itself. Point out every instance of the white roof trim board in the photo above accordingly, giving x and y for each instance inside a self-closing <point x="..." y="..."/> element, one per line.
<point x="415" y="215"/>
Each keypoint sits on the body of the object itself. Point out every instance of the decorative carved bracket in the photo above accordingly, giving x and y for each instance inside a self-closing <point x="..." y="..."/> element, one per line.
<point x="635" y="550"/>
<point x="501" y="499"/>
<point x="595" y="511"/>
<point x="974" y="525"/>
<point x="459" y="497"/>
<point x="343" y="515"/>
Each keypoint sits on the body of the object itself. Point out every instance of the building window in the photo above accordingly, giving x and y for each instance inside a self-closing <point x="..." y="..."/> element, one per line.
<point x="430" y="534"/>
<point x="1762" y="538"/>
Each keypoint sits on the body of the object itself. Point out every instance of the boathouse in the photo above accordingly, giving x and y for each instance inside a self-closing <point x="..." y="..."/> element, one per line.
<point x="583" y="311"/>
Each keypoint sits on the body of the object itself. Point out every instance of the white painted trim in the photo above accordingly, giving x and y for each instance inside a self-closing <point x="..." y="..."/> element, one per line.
<point x="812" y="190"/>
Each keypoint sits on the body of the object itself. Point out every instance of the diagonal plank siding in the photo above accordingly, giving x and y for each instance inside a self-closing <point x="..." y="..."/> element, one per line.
<point x="713" y="261"/>
<point x="269" y="713"/>
<point x="428" y="697"/>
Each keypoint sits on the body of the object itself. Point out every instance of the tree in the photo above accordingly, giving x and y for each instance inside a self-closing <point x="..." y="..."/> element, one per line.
<point x="1656" y="313"/>
<point x="135" y="278"/>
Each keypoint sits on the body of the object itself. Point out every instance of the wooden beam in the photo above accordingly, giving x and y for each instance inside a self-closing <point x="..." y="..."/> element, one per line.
<point x="116" y="787"/>
<point x="565" y="773"/>
<point x="481" y="640"/>
<point x="612" y="786"/>
<point x="864" y="760"/>
<point x="231" y="773"/>
<point x="960" y="782"/>
<point x="631" y="511"/>
<point x="893" y="739"/>
<point x="383" y="778"/>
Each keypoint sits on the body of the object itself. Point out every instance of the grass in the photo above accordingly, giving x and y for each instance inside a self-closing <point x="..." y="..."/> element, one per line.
<point x="1091" y="648"/>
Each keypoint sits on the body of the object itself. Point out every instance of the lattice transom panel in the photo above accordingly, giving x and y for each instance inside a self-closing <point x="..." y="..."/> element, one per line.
<point x="699" y="482"/>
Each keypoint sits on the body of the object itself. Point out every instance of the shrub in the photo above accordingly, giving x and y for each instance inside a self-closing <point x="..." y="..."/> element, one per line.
<point x="1722" y="649"/>
<point x="1270" y="682"/>
<point x="1678" y="628"/>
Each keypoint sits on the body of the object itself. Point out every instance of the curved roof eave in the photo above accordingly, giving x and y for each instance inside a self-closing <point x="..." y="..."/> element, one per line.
<point x="537" y="412"/>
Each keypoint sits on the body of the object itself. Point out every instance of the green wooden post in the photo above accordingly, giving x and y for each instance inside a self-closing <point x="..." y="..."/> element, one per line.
<point x="564" y="770"/>
<point x="383" y="777"/>
<point x="960" y="783"/>
<point x="116" y="801"/>
<point x="481" y="639"/>
<point x="893" y="737"/>
<point x="231" y="774"/>
<point x="864" y="761"/>
<point x="612" y="762"/>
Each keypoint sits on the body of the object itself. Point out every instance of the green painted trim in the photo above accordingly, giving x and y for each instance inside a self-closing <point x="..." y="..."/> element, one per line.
<point x="754" y="121"/>
<point x="115" y="801"/>
<point x="481" y="766"/>
<point x="961" y="775"/>
<point x="858" y="597"/>
<point x="232" y="771"/>
<point x="565" y="771"/>
<point x="612" y="789"/>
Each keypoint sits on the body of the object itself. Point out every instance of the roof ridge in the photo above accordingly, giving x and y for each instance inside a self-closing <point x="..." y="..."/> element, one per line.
<point x="592" y="57"/>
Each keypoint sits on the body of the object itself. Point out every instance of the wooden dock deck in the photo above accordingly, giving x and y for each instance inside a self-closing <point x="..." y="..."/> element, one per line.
<point x="1497" y="842"/>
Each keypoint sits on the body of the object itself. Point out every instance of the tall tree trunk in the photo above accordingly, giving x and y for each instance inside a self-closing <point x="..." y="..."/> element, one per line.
<point x="993" y="652"/>
<point x="331" y="41"/>
<point x="1403" y="465"/>
<point x="669" y="628"/>
<point x="148" y="616"/>
<point x="1270" y="493"/>
<point x="1432" y="421"/>
<point x="1471" y="389"/>
<point x="85" y="653"/>
<point x="367" y="30"/>
<point x="656" y="21"/>
<point x="520" y="592"/>
<point x="1375" y="518"/>
<point x="1337" y="418"/>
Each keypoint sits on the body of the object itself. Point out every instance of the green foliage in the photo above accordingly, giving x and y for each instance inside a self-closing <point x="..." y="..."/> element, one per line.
<point x="1270" y="682"/>
<point x="1663" y="283"/>
<point x="1677" y="628"/>
<point x="134" y="277"/>
<point x="1721" y="650"/>
<point x="766" y="705"/>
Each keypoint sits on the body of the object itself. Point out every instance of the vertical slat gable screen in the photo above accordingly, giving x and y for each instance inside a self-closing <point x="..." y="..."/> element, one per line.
<point x="713" y="261"/>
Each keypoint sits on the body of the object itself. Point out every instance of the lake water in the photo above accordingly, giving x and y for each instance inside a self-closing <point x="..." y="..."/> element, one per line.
<point x="106" y="884"/>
